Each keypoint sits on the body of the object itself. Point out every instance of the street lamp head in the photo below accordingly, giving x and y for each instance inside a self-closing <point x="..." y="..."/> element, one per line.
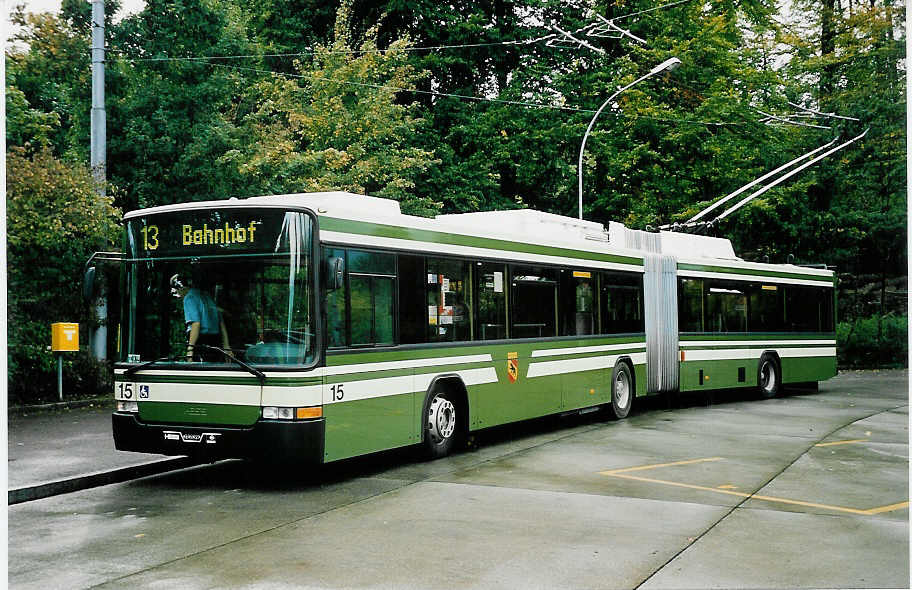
<point x="669" y="64"/>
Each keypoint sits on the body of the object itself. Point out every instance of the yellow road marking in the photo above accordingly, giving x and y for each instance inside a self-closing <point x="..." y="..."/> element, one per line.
<point x="657" y="465"/>
<point x="889" y="508"/>
<point x="728" y="488"/>
<point x="841" y="442"/>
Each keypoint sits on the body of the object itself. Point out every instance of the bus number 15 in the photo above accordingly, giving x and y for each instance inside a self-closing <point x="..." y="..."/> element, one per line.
<point x="337" y="393"/>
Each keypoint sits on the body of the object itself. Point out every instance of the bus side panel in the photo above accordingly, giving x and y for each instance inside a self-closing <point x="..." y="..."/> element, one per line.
<point x="585" y="388"/>
<point x="804" y="369"/>
<point x="522" y="397"/>
<point x="639" y="373"/>
<point x="718" y="374"/>
<point x="365" y="413"/>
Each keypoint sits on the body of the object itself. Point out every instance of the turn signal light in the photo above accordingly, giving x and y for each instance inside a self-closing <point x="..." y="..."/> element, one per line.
<point x="307" y="413"/>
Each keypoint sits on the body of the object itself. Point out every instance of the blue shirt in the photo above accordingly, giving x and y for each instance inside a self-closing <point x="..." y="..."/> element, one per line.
<point x="200" y="307"/>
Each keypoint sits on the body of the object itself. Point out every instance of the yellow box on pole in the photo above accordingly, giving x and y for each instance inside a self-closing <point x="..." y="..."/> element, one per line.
<point x="65" y="337"/>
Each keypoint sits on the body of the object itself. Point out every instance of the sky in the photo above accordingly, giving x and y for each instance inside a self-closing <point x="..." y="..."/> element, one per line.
<point x="128" y="6"/>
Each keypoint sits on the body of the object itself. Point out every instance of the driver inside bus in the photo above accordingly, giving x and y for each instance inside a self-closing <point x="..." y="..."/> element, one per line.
<point x="204" y="321"/>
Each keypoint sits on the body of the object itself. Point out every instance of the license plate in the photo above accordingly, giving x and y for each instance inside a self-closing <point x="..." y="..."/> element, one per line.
<point x="209" y="438"/>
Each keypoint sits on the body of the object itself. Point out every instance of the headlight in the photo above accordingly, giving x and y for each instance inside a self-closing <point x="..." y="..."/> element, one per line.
<point x="280" y="413"/>
<point x="127" y="406"/>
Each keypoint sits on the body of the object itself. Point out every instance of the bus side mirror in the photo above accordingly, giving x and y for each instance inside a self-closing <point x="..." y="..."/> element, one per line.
<point x="335" y="273"/>
<point x="88" y="284"/>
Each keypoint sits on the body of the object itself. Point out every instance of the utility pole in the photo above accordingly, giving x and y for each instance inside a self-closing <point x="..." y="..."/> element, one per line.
<point x="98" y="157"/>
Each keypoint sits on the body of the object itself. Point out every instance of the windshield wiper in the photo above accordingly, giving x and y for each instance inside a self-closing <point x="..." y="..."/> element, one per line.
<point x="252" y="370"/>
<point x="132" y="370"/>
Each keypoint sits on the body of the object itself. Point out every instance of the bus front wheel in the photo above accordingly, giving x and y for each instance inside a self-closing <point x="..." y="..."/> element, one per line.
<point x="440" y="425"/>
<point x="622" y="391"/>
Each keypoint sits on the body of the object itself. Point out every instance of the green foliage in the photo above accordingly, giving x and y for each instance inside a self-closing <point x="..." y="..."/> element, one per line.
<point x="338" y="125"/>
<point x="873" y="342"/>
<point x="172" y="118"/>
<point x="53" y="77"/>
<point x="54" y="222"/>
<point x="25" y="125"/>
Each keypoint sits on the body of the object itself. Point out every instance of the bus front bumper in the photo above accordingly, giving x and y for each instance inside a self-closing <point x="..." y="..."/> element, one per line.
<point x="300" y="441"/>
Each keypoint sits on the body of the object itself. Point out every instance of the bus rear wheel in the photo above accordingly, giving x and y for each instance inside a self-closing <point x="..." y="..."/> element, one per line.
<point x="622" y="391"/>
<point x="440" y="425"/>
<point x="769" y="377"/>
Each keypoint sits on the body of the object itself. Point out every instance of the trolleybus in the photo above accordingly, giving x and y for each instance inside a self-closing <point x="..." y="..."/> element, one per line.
<point x="350" y="328"/>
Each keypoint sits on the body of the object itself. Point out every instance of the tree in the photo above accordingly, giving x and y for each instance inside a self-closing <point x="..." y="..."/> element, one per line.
<point x="170" y="107"/>
<point x="54" y="222"/>
<point x="342" y="123"/>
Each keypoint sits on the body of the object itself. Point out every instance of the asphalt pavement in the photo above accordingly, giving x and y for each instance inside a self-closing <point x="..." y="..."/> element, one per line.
<point x="809" y="490"/>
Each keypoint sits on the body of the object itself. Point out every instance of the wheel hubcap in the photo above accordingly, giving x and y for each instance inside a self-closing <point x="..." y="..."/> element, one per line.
<point x="441" y="419"/>
<point x="621" y="390"/>
<point x="767" y="376"/>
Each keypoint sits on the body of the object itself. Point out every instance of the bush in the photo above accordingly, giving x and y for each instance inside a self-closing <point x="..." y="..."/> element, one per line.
<point x="873" y="342"/>
<point x="33" y="375"/>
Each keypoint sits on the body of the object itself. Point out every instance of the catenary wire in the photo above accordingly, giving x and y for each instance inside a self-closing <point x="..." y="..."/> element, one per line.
<point x="463" y="96"/>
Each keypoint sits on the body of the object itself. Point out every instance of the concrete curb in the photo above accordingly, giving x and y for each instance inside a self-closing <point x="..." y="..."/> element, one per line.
<point x="96" y="479"/>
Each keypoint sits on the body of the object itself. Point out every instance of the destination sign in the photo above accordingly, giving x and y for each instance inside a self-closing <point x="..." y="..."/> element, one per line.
<point x="212" y="231"/>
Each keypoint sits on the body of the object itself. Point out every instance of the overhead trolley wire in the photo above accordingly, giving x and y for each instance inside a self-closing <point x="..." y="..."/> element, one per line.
<point x="461" y="96"/>
<point x="311" y="51"/>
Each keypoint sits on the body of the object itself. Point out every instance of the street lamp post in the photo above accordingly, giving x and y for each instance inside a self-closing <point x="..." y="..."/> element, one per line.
<point x="668" y="64"/>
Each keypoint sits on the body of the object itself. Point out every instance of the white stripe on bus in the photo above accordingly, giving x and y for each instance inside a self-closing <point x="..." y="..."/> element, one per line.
<point x="748" y="353"/>
<point x="338" y="370"/>
<point x="585" y="349"/>
<point x="592" y="363"/>
<point x="196" y="393"/>
<point x="755" y="343"/>
<point x="388" y="386"/>
<point x="684" y="273"/>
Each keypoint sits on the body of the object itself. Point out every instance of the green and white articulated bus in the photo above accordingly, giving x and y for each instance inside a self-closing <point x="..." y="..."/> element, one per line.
<point x="352" y="328"/>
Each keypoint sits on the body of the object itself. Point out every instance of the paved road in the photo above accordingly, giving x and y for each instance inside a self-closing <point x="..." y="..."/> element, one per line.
<point x="47" y="445"/>
<point x="809" y="490"/>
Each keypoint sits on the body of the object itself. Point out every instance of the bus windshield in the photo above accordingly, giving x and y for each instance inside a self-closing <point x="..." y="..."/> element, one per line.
<point x="243" y="276"/>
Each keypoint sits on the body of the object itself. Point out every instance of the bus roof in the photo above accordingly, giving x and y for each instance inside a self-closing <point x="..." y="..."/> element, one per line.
<point x="696" y="255"/>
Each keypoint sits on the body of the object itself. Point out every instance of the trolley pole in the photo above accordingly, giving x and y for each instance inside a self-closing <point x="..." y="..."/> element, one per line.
<point x="98" y="154"/>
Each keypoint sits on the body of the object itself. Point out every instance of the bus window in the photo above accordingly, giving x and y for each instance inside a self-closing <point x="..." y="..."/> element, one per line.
<point x="412" y="306"/>
<point x="690" y="305"/>
<point x="362" y="312"/>
<point x="335" y="308"/>
<point x="808" y="309"/>
<point x="446" y="303"/>
<point x="765" y="309"/>
<point x="577" y="302"/>
<point x="490" y="294"/>
<point x="726" y="307"/>
<point x="533" y="302"/>
<point x="371" y="280"/>
<point x="622" y="303"/>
